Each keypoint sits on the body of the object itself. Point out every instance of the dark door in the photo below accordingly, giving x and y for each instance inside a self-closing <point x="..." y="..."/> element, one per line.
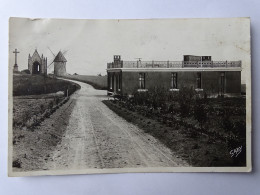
<point x="36" y="68"/>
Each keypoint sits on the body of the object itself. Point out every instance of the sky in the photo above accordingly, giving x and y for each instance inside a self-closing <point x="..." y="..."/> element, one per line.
<point x="91" y="44"/>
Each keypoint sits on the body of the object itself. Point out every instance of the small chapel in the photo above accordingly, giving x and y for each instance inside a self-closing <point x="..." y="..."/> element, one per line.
<point x="37" y="64"/>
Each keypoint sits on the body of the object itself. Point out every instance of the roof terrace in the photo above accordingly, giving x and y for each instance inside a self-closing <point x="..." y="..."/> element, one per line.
<point x="174" y="64"/>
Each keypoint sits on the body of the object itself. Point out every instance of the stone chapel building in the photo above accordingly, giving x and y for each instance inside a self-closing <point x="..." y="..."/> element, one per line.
<point x="37" y="64"/>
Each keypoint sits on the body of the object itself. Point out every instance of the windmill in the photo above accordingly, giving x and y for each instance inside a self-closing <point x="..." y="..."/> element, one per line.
<point x="59" y="62"/>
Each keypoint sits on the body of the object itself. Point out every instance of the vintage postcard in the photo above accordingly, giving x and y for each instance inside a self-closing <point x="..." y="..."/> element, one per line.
<point x="115" y="96"/>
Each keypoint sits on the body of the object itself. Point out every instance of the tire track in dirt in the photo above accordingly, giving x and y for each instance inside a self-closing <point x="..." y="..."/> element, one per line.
<point x="96" y="137"/>
<point x="144" y="143"/>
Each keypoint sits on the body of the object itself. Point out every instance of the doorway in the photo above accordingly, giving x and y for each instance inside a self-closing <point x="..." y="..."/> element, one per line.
<point x="36" y="69"/>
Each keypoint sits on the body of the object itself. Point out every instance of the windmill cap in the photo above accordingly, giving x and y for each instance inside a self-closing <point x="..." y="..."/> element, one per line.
<point x="60" y="58"/>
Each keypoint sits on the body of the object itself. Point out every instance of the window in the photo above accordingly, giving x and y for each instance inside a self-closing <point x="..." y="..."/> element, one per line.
<point x="222" y="83"/>
<point x="141" y="80"/>
<point x="199" y="80"/>
<point x="119" y="82"/>
<point x="174" y="80"/>
<point x="111" y="81"/>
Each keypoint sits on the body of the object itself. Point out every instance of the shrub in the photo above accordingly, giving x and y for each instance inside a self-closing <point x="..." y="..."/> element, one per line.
<point x="56" y="100"/>
<point x="25" y="71"/>
<point x="50" y="105"/>
<point x="200" y="112"/>
<point x="240" y="127"/>
<point x="157" y="97"/>
<point x="226" y="121"/>
<point x="186" y="100"/>
<point x="140" y="98"/>
<point x="42" y="108"/>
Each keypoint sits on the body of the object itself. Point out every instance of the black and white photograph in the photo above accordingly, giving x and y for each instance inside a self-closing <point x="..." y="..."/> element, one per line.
<point x="116" y="96"/>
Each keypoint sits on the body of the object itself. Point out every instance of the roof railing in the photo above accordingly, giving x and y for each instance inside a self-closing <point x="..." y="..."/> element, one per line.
<point x="175" y="64"/>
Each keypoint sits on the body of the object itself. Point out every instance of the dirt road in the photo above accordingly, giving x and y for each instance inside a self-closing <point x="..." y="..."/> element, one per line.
<point x="98" y="138"/>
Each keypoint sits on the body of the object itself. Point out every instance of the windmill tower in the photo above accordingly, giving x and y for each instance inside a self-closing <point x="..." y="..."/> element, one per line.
<point x="59" y="63"/>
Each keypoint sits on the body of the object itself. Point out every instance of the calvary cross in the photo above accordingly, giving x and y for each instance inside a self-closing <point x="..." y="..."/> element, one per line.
<point x="16" y="52"/>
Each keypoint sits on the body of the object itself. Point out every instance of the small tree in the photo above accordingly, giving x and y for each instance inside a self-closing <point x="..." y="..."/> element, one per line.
<point x="186" y="99"/>
<point x="200" y="112"/>
<point x="157" y="97"/>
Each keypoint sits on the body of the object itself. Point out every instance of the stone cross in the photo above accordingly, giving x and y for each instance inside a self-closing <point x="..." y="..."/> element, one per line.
<point x="16" y="52"/>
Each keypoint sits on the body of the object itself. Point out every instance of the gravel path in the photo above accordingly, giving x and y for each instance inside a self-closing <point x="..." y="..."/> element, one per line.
<point x="96" y="137"/>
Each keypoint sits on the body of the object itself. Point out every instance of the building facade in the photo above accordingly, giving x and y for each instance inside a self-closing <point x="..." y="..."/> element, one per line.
<point x="214" y="78"/>
<point x="37" y="64"/>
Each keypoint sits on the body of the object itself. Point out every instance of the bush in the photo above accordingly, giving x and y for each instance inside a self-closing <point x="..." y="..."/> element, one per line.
<point x="186" y="99"/>
<point x="50" y="105"/>
<point x="200" y="112"/>
<point x="26" y="71"/>
<point x="226" y="121"/>
<point x="140" y="98"/>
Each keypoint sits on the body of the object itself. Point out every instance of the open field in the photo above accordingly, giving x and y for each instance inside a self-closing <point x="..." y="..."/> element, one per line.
<point x="98" y="82"/>
<point x="201" y="131"/>
<point x="32" y="147"/>
<point x="27" y="107"/>
<point x="35" y="99"/>
<point x="30" y="112"/>
<point x="24" y="109"/>
<point x="37" y="84"/>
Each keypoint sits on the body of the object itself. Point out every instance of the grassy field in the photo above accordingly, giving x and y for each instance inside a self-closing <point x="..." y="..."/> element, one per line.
<point x="37" y="84"/>
<point x="35" y="98"/>
<point x="98" y="82"/>
<point x="34" y="94"/>
<point x="32" y="146"/>
<point x="24" y="109"/>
